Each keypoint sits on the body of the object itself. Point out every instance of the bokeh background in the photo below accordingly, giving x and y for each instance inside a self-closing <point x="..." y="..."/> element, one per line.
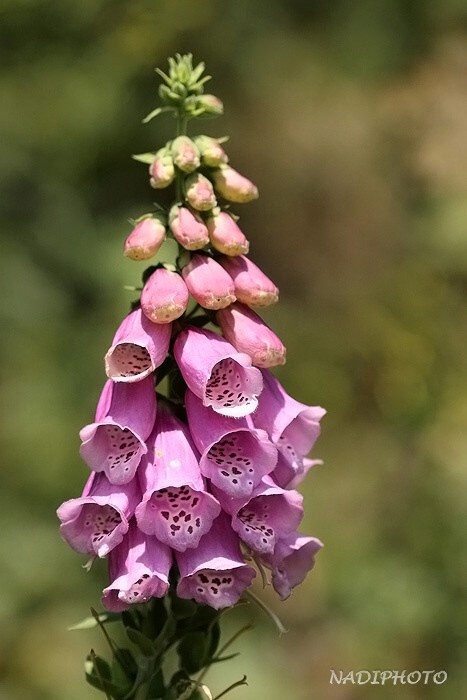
<point x="351" y="118"/>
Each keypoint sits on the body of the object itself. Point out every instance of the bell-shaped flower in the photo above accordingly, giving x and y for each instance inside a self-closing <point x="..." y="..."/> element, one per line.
<point x="233" y="186"/>
<point x="185" y="154"/>
<point x="188" y="228"/>
<point x="162" y="170"/>
<point x="268" y="515"/>
<point x="176" y="507"/>
<point x="96" y="522"/>
<point x="138" y="570"/>
<point x="234" y="455"/>
<point x="220" y="376"/>
<point x="138" y="347"/>
<point x="145" y="239"/>
<point x="248" y="333"/>
<point x="293" y="426"/>
<point x="212" y="153"/>
<point x="199" y="192"/>
<point x="208" y="283"/>
<point x="251" y="285"/>
<point x="225" y="234"/>
<point x="165" y="296"/>
<point x="214" y="573"/>
<point x="115" y="442"/>
<point x="293" y="558"/>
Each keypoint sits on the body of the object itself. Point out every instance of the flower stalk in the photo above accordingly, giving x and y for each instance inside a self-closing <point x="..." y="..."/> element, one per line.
<point x="196" y="449"/>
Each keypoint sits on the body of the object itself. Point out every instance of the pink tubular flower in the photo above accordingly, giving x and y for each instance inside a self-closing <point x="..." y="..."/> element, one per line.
<point x="185" y="154"/>
<point x="208" y="283"/>
<point x="219" y="375"/>
<point x="252" y="287"/>
<point x="293" y="558"/>
<point x="214" y="573"/>
<point x="115" y="442"/>
<point x="138" y="570"/>
<point x="233" y="186"/>
<point x="199" y="192"/>
<point x="138" y="347"/>
<point x="269" y="514"/>
<point x="164" y="297"/>
<point x="176" y="507"/>
<point x="248" y="333"/>
<point x="212" y="153"/>
<point x="162" y="169"/>
<point x="293" y="426"/>
<point x="145" y="239"/>
<point x="225" y="235"/>
<point x="188" y="228"/>
<point x="96" y="522"/>
<point x="234" y="455"/>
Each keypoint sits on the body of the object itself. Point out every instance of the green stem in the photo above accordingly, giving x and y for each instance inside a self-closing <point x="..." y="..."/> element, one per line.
<point x="182" y="122"/>
<point x="237" y="684"/>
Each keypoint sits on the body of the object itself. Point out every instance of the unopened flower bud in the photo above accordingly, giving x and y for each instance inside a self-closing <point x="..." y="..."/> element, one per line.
<point x="145" y="239"/>
<point x="185" y="154"/>
<point x="248" y="333"/>
<point x="212" y="153"/>
<point x="162" y="169"/>
<point x="233" y="186"/>
<point x="199" y="192"/>
<point x="208" y="283"/>
<point x="252" y="287"/>
<point x="188" y="228"/>
<point x="164" y="297"/>
<point x="210" y="104"/>
<point x="226" y="236"/>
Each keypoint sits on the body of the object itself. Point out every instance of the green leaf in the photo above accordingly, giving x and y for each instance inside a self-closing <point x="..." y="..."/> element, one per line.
<point x="124" y="660"/>
<point x="147" y="158"/>
<point x="98" y="674"/>
<point x="193" y="651"/>
<point x="144" y="644"/>
<point x="182" y="608"/>
<point x="156" y="613"/>
<point x="131" y="618"/>
<point x="98" y="666"/>
<point x="214" y="638"/>
<point x="91" y="622"/>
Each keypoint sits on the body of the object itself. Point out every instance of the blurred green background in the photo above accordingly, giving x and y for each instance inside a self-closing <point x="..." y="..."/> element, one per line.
<point x="351" y="119"/>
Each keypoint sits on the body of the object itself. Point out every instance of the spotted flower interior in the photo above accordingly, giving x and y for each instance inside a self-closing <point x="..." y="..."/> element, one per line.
<point x="229" y="389"/>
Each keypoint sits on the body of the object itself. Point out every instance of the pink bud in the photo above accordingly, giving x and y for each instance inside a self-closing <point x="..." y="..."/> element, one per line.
<point x="145" y="239"/>
<point x="226" y="236"/>
<point x="199" y="192"/>
<point x="248" y="333"/>
<point x="210" y="104"/>
<point x="252" y="287"/>
<point x="185" y="154"/>
<point x="212" y="153"/>
<point x="188" y="228"/>
<point x="233" y="186"/>
<point x="162" y="169"/>
<point x="164" y="297"/>
<point x="208" y="283"/>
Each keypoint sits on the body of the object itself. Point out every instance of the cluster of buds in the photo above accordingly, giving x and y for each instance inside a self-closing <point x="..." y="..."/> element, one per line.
<point x="194" y="486"/>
